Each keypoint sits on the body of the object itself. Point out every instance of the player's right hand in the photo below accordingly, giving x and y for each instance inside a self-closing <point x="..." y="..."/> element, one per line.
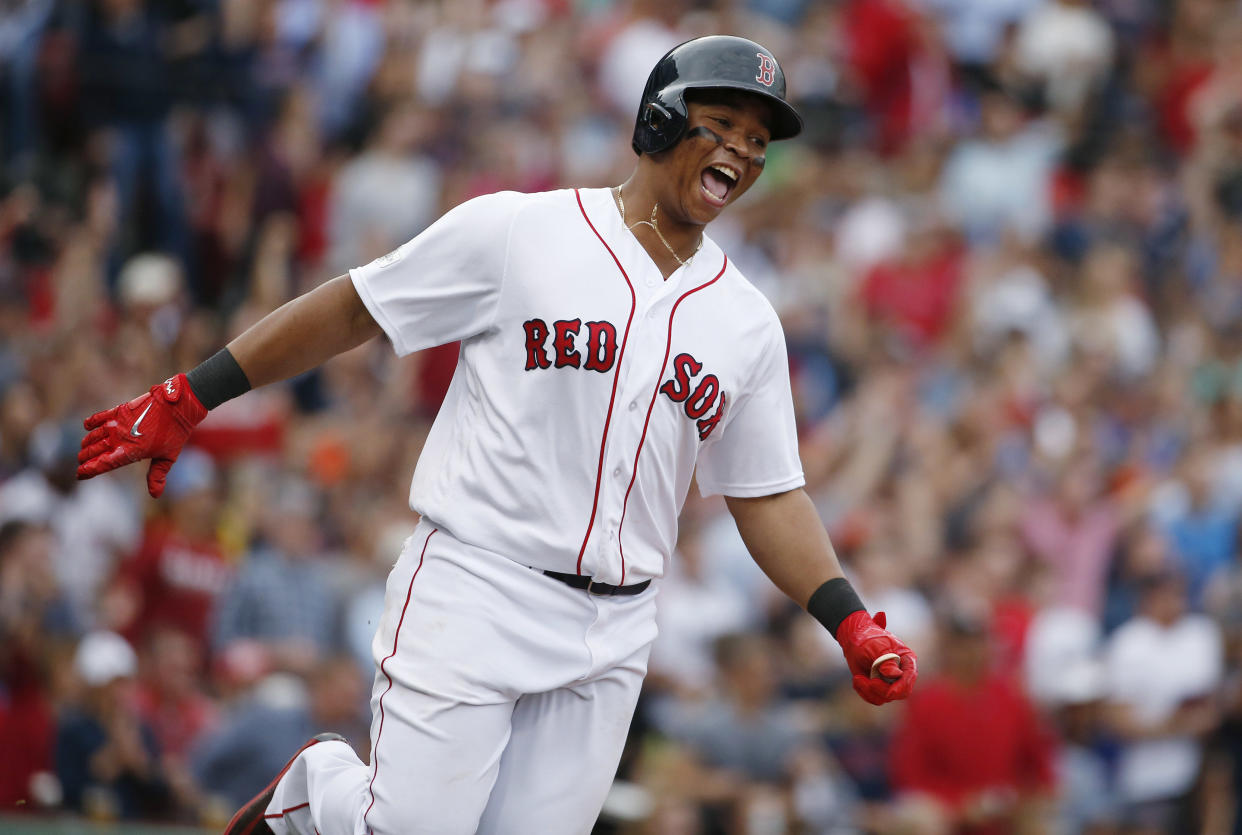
<point x="155" y="425"/>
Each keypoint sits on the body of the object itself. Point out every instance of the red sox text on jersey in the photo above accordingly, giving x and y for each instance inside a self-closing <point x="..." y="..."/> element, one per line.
<point x="699" y="396"/>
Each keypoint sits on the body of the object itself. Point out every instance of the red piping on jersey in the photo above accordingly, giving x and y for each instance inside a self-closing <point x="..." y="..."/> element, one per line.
<point x="616" y="373"/>
<point x="396" y="636"/>
<point x="284" y="812"/>
<point x="668" y="345"/>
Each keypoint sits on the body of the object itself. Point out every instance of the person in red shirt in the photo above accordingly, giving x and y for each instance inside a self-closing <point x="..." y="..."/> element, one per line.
<point x="970" y="741"/>
<point x="171" y="695"/>
<point x="899" y="65"/>
<point x="915" y="296"/>
<point x="29" y="608"/>
<point x="170" y="699"/>
<point x="180" y="569"/>
<point x="1177" y="63"/>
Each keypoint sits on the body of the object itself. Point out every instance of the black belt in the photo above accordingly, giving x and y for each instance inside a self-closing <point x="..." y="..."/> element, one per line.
<point x="590" y="586"/>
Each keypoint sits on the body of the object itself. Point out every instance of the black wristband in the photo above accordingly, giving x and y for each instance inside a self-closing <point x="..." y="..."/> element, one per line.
<point x="217" y="379"/>
<point x="833" y="602"/>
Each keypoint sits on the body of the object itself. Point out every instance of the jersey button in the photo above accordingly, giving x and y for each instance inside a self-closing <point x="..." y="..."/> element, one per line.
<point x="617" y="471"/>
<point x="633" y="405"/>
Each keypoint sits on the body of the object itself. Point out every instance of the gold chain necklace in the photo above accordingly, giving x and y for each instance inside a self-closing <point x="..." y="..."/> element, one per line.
<point x="652" y="223"/>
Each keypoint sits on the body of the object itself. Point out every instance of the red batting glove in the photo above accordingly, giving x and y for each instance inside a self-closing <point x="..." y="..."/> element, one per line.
<point x="864" y="641"/>
<point x="155" y="425"/>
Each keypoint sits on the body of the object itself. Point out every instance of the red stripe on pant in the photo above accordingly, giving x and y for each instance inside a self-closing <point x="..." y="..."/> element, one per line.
<point x="384" y="671"/>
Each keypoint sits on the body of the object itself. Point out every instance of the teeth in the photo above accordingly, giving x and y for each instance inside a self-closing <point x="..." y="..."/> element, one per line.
<point x="728" y="172"/>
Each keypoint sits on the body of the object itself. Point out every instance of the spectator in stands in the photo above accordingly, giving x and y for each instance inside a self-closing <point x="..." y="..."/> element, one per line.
<point x="1142" y="552"/>
<point x="1073" y="532"/>
<point x="1087" y="800"/>
<point x="971" y="741"/>
<point x="1163" y="667"/>
<point x="20" y="29"/>
<point x="1111" y="323"/>
<point x="125" y="50"/>
<point x="179" y="569"/>
<point x="1000" y="182"/>
<point x="94" y="526"/>
<point x="280" y="598"/>
<point x="20" y="412"/>
<point x="915" y="295"/>
<point x="1202" y="533"/>
<point x="975" y="28"/>
<point x="34" y="615"/>
<point x="107" y="758"/>
<point x="1225" y="605"/>
<point x="386" y="195"/>
<point x="171" y="699"/>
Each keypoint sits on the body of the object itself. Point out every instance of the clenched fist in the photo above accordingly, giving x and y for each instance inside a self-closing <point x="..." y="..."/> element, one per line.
<point x="155" y="425"/>
<point x="884" y="668"/>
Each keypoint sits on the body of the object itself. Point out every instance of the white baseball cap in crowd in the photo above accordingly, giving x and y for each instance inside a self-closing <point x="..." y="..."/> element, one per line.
<point x="1082" y="682"/>
<point x="103" y="657"/>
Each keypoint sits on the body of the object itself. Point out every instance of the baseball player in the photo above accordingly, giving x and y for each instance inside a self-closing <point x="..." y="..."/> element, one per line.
<point x="609" y="352"/>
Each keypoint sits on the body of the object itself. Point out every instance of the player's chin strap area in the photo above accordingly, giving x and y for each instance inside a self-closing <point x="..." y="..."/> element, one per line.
<point x="590" y="586"/>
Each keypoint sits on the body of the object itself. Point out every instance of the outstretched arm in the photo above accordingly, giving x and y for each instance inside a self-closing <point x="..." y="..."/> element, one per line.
<point x="786" y="538"/>
<point x="296" y="337"/>
<point x="304" y="333"/>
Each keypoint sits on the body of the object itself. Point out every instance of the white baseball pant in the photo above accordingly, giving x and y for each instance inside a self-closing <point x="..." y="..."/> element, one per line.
<point x="501" y="703"/>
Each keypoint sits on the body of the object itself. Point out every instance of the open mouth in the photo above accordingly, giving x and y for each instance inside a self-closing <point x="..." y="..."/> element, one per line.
<point x="716" y="182"/>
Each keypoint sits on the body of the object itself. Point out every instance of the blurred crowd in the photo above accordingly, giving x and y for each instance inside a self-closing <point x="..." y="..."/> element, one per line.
<point x="1007" y="252"/>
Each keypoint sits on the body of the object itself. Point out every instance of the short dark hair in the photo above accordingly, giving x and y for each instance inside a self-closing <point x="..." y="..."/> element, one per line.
<point x="731" y="647"/>
<point x="12" y="531"/>
<point x="1160" y="579"/>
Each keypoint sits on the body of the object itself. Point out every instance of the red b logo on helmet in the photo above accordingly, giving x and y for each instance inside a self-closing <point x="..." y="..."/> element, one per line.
<point x="767" y="70"/>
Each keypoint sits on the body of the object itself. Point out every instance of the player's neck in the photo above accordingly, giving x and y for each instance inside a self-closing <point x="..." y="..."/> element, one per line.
<point x="668" y="241"/>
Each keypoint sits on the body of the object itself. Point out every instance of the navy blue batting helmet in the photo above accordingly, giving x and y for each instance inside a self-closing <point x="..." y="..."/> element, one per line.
<point x="714" y="62"/>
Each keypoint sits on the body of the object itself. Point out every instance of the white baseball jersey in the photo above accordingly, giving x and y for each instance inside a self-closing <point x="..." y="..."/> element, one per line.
<point x="588" y="388"/>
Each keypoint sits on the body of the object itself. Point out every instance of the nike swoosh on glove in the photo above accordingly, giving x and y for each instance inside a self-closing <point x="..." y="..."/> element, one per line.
<point x="864" y="641"/>
<point x="155" y="425"/>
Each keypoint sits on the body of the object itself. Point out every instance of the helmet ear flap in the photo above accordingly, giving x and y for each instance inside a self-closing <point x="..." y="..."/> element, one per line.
<point x="660" y="124"/>
<point x="658" y="116"/>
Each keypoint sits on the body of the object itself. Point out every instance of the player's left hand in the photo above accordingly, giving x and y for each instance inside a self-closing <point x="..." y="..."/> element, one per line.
<point x="884" y="668"/>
